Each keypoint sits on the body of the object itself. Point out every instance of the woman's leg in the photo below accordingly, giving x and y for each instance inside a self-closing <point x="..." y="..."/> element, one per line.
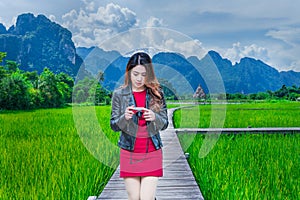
<point x="148" y="187"/>
<point x="133" y="187"/>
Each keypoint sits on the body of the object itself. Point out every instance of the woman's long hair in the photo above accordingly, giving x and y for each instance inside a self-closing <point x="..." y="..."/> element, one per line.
<point x="151" y="81"/>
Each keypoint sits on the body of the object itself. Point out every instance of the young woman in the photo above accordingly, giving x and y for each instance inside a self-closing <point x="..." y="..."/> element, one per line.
<point x="139" y="112"/>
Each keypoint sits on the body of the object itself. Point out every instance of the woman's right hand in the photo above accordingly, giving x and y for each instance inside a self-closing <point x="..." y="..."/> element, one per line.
<point x="129" y="112"/>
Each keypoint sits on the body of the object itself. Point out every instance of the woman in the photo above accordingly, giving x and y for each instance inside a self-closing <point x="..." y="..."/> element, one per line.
<point x="139" y="112"/>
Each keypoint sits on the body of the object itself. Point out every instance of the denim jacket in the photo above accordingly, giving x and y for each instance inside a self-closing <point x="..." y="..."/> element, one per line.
<point x="121" y="99"/>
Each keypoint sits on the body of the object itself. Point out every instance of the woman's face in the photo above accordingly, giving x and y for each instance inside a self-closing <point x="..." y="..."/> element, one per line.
<point x="138" y="75"/>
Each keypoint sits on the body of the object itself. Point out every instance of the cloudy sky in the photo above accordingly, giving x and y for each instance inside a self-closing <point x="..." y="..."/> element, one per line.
<point x="262" y="29"/>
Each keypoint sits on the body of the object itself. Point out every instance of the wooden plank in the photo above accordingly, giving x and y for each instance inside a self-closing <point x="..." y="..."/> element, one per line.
<point x="178" y="181"/>
<point x="262" y="130"/>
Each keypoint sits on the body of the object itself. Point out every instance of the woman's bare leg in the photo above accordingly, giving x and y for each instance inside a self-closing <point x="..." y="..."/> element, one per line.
<point x="133" y="187"/>
<point x="148" y="187"/>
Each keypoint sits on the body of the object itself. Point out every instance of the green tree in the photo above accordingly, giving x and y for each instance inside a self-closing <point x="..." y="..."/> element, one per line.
<point x="81" y="90"/>
<point x="14" y="92"/>
<point x="33" y="77"/>
<point x="2" y="69"/>
<point x="90" y="90"/>
<point x="282" y="92"/>
<point x="11" y="66"/>
<point x="65" y="86"/>
<point x="168" y="89"/>
<point x="49" y="90"/>
<point x="2" y="56"/>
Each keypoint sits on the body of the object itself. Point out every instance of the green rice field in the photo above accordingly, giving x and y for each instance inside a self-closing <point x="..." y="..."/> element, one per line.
<point x="42" y="156"/>
<point x="278" y="114"/>
<point x="56" y="154"/>
<point x="246" y="166"/>
<point x="250" y="166"/>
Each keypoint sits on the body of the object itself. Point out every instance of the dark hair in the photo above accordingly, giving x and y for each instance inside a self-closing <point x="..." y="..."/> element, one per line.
<point x="151" y="81"/>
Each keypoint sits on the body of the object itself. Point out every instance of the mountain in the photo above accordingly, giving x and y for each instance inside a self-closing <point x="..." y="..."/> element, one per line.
<point x="214" y="73"/>
<point x="37" y="42"/>
<point x="290" y="78"/>
<point x="247" y="76"/>
<point x="110" y="62"/>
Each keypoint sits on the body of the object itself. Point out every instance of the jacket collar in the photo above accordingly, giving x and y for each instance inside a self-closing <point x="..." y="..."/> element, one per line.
<point x="128" y="91"/>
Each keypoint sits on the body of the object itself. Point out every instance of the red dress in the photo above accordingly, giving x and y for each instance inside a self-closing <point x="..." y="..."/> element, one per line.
<point x="144" y="160"/>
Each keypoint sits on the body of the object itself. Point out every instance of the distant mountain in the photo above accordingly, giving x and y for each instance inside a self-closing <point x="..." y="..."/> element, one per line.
<point x="252" y="76"/>
<point x="36" y="43"/>
<point x="247" y="76"/>
<point x="185" y="74"/>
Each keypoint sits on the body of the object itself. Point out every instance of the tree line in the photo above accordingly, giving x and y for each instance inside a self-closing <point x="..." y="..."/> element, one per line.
<point x="284" y="93"/>
<point x="20" y="90"/>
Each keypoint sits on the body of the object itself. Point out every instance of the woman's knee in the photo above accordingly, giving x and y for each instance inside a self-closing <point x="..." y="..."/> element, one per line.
<point x="148" y="188"/>
<point x="133" y="186"/>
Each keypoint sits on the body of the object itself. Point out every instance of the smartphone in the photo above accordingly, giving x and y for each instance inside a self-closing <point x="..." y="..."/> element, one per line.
<point x="137" y="109"/>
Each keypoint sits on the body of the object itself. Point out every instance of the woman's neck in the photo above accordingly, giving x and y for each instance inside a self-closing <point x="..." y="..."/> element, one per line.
<point x="138" y="89"/>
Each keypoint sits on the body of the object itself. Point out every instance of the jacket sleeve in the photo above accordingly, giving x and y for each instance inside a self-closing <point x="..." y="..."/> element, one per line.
<point x="161" y="118"/>
<point x="117" y="119"/>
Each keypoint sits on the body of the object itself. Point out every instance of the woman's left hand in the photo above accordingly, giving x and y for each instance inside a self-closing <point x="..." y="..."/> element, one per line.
<point x="149" y="115"/>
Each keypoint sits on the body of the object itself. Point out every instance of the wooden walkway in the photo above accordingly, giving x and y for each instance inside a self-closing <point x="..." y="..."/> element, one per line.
<point x="267" y="130"/>
<point x="178" y="181"/>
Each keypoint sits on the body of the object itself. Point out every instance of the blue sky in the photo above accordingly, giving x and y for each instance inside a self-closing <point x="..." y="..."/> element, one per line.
<point x="262" y="29"/>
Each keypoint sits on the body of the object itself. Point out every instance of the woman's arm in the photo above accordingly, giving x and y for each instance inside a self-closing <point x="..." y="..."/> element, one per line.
<point x="117" y="119"/>
<point x="161" y="118"/>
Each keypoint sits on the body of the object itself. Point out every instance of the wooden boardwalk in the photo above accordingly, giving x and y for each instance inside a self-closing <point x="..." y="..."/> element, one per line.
<point x="267" y="130"/>
<point x="178" y="181"/>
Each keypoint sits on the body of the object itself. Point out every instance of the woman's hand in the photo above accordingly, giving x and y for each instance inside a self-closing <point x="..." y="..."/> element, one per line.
<point x="129" y="112"/>
<point x="149" y="115"/>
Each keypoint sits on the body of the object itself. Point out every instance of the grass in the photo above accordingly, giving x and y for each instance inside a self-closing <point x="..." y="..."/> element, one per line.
<point x="249" y="166"/>
<point x="42" y="156"/>
<point x="71" y="153"/>
<point x="279" y="114"/>
<point x="245" y="166"/>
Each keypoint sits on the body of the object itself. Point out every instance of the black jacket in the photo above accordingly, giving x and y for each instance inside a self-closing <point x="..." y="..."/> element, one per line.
<point x="121" y="99"/>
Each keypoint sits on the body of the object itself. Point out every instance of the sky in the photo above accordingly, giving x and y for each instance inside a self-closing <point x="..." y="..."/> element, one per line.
<point x="261" y="29"/>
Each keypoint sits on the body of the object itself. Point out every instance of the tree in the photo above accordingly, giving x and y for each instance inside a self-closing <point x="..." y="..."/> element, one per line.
<point x="33" y="77"/>
<point x="90" y="90"/>
<point x="65" y="86"/>
<point x="14" y="92"/>
<point x="83" y="87"/>
<point x="47" y="84"/>
<point x="282" y="92"/>
<point x="168" y="89"/>
<point x="11" y="66"/>
<point x="2" y="56"/>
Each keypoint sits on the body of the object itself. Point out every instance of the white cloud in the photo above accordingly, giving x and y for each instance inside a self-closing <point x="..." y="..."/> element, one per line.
<point x="286" y="55"/>
<point x="277" y="56"/>
<point x="273" y="29"/>
<point x="289" y="35"/>
<point x="92" y="26"/>
<point x="238" y="51"/>
<point x="187" y="48"/>
<point x="52" y="18"/>
<point x="114" y="16"/>
<point x="154" y="22"/>
<point x="155" y="39"/>
<point x="89" y="6"/>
